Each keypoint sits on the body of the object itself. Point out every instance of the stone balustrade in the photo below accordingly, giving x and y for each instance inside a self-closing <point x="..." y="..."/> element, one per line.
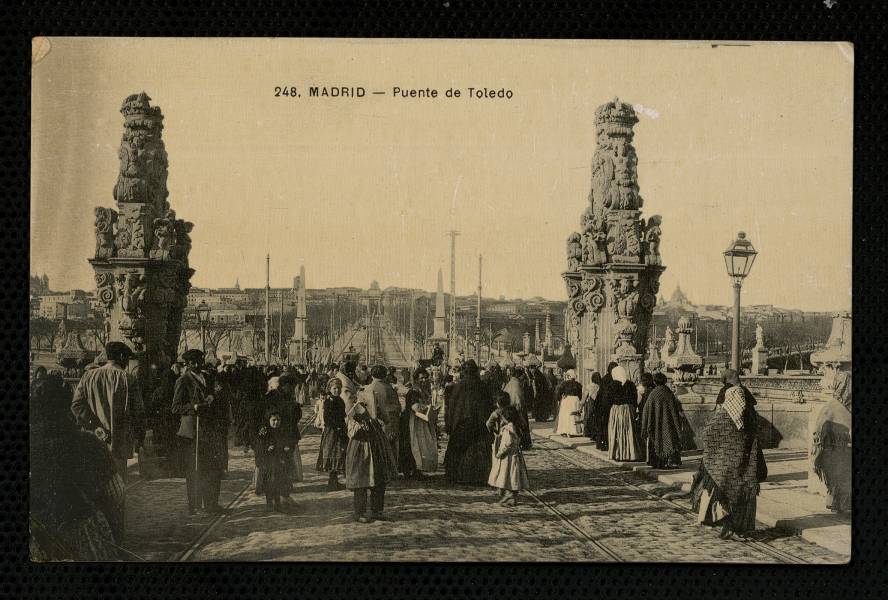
<point x="783" y="420"/>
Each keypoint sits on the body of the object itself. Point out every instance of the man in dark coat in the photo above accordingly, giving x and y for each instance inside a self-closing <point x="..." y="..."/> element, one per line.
<point x="661" y="426"/>
<point x="202" y="434"/>
<point x="468" y="455"/>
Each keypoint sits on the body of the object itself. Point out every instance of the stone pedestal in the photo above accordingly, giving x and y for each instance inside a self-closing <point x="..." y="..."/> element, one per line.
<point x="759" y="361"/>
<point x="141" y="261"/>
<point x="614" y="263"/>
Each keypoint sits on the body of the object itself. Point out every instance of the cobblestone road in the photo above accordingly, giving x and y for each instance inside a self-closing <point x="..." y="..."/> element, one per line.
<point x="579" y="509"/>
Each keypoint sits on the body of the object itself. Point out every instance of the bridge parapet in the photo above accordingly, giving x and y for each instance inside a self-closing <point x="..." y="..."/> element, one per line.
<point x="783" y="419"/>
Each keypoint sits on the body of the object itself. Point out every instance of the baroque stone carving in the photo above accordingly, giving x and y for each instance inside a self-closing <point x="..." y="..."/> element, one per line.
<point x="105" y="289"/>
<point x="614" y="179"/>
<point x="164" y="238"/>
<point x="143" y="159"/>
<point x="610" y="308"/>
<point x="574" y="252"/>
<point x="182" y="247"/>
<point x="626" y="331"/>
<point x="106" y="218"/>
<point x="131" y="288"/>
<point x="652" y="235"/>
<point x="593" y="293"/>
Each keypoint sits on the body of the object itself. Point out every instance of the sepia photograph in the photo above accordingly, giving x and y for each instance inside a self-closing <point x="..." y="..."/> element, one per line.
<point x="440" y="300"/>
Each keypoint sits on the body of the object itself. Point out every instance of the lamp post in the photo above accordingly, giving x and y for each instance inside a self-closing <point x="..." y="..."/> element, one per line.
<point x="738" y="261"/>
<point x="203" y="315"/>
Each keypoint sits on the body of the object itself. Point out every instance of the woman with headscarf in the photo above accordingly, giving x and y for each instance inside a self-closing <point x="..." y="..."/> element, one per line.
<point x="570" y="414"/>
<point x="419" y="447"/>
<point x="515" y="388"/>
<point x="621" y="437"/>
<point x="369" y="461"/>
<point x="468" y="457"/>
<point x="599" y="412"/>
<point x="592" y="394"/>
<point x="831" y="449"/>
<point x="77" y="498"/>
<point x="728" y="480"/>
<point x="645" y="386"/>
<point x="661" y="426"/>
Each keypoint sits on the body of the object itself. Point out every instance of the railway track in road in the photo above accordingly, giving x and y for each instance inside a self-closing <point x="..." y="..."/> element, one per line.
<point x="185" y="555"/>
<point x="777" y="554"/>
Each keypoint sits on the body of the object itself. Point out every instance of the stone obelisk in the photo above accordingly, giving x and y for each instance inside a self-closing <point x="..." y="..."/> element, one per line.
<point x="141" y="260"/>
<point x="439" y="330"/>
<point x="614" y="265"/>
<point x="299" y="341"/>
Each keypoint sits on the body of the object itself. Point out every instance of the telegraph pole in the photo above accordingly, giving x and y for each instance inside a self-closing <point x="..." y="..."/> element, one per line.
<point x="478" y="315"/>
<point x="281" y="329"/>
<point x="452" y="343"/>
<point x="267" y="307"/>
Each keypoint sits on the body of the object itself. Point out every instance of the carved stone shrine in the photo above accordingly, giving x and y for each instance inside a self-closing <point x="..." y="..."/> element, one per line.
<point x="141" y="260"/>
<point x="613" y="262"/>
<point x="683" y="359"/>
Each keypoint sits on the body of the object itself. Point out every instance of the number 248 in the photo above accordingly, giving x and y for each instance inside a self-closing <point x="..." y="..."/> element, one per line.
<point x="286" y="91"/>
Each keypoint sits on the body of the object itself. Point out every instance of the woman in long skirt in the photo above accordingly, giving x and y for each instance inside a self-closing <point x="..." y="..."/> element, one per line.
<point x="370" y="462"/>
<point x="621" y="437"/>
<point x="334" y="438"/>
<point x="728" y="480"/>
<point x="421" y="425"/>
<point x="569" y="421"/>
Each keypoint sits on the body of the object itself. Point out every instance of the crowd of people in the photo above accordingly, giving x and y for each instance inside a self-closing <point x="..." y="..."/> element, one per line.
<point x="377" y="424"/>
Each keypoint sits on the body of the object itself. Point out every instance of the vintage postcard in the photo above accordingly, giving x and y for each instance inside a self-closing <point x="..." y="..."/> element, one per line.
<point x="440" y="300"/>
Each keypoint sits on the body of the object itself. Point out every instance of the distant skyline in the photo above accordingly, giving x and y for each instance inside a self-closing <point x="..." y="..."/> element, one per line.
<point x="756" y="138"/>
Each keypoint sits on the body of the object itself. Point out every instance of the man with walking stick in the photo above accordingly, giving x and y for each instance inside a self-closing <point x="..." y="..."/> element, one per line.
<point x="201" y="434"/>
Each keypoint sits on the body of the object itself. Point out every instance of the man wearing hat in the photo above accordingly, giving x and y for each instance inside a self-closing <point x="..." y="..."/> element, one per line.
<point x="108" y="402"/>
<point x="201" y="434"/>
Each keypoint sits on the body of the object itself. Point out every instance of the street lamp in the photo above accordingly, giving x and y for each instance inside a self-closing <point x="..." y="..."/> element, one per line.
<point x="738" y="261"/>
<point x="203" y="315"/>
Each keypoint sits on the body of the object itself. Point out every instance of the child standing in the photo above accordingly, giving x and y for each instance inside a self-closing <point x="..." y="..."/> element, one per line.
<point x="334" y="439"/>
<point x="508" y="473"/>
<point x="273" y="455"/>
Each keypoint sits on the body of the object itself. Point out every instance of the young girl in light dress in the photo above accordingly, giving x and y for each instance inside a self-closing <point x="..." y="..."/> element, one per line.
<point x="508" y="473"/>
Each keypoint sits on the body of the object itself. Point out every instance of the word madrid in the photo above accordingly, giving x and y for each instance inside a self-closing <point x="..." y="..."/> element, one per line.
<point x="399" y="92"/>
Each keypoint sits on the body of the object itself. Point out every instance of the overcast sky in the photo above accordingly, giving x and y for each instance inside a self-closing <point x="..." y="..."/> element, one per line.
<point x="756" y="138"/>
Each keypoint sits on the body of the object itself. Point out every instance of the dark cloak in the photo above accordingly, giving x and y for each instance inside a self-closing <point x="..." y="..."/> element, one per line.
<point x="733" y="464"/>
<point x="468" y="456"/>
<point x="661" y="426"/>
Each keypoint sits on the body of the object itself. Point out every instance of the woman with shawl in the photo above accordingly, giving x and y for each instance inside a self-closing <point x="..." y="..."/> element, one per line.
<point x="831" y="449"/>
<point x="599" y="412"/>
<point x="467" y="459"/>
<point x="661" y="426"/>
<point x="728" y="480"/>
<point x="570" y="414"/>
<point x="418" y="427"/>
<point x="592" y="393"/>
<point x="369" y="462"/>
<point x="621" y="437"/>
<point x="77" y="498"/>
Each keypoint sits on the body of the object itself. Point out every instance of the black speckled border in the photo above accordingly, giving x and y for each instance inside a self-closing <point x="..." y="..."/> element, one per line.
<point x="860" y="22"/>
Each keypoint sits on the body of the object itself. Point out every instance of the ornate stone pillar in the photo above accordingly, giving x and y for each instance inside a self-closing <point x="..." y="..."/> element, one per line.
<point x="614" y="266"/>
<point x="141" y="260"/>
